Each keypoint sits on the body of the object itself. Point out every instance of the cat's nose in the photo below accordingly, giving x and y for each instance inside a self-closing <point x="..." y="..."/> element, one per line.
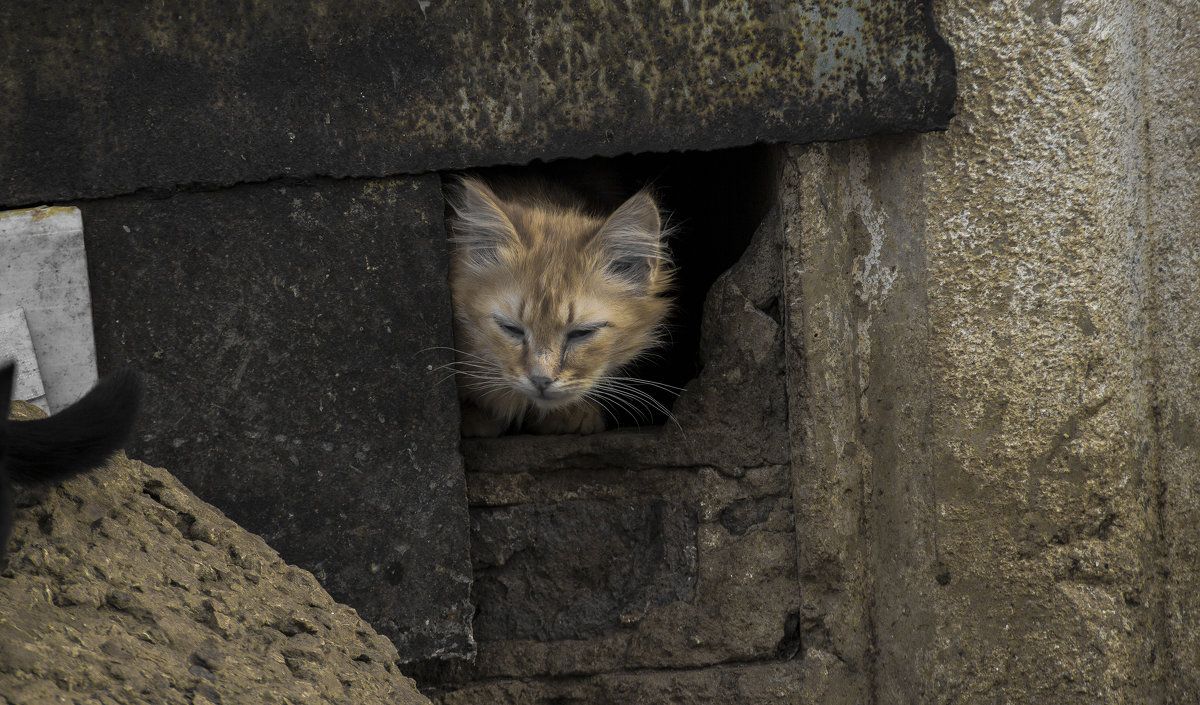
<point x="540" y="382"/>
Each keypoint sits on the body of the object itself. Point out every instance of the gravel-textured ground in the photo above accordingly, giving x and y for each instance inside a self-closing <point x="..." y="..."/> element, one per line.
<point x="124" y="587"/>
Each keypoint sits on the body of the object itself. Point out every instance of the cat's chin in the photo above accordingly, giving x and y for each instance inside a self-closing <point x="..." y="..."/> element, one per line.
<point x="550" y="400"/>
<point x="553" y="402"/>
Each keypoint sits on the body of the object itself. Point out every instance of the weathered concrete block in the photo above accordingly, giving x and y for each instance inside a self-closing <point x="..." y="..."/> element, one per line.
<point x="288" y="335"/>
<point x="573" y="570"/>
<point x="222" y="94"/>
<point x="812" y="681"/>
<point x="739" y="606"/>
<point x="1173" y="186"/>
<point x="998" y="343"/>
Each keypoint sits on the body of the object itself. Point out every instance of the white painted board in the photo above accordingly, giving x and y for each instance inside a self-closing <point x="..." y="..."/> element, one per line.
<point x="17" y="346"/>
<point x="43" y="270"/>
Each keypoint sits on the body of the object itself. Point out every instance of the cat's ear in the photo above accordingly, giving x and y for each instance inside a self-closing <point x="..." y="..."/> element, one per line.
<point x="632" y="240"/>
<point x="480" y="226"/>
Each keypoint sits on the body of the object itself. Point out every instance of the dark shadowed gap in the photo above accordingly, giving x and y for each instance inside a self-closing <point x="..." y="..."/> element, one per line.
<point x="715" y="201"/>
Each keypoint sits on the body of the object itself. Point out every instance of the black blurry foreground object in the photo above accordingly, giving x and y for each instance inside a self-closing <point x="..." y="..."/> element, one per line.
<point x="75" y="440"/>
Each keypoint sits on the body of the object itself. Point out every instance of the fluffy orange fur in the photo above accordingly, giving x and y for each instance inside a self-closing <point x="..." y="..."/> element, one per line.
<point x="550" y="303"/>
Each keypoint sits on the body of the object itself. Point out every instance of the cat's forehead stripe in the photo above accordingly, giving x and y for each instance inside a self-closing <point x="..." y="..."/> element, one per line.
<point x="547" y="307"/>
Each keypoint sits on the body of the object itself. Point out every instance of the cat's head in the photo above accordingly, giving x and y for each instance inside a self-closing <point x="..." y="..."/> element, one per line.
<point x="549" y="299"/>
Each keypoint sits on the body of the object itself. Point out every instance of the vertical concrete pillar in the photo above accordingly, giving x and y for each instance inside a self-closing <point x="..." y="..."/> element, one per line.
<point x="995" y="328"/>
<point x="1172" y="96"/>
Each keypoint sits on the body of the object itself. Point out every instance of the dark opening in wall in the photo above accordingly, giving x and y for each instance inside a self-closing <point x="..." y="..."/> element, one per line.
<point x="714" y="203"/>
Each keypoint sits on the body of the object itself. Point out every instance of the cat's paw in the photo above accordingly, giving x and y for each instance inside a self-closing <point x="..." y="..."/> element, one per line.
<point x="578" y="419"/>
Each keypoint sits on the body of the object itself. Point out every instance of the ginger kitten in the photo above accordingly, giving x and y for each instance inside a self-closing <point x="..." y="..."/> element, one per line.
<point x="551" y="301"/>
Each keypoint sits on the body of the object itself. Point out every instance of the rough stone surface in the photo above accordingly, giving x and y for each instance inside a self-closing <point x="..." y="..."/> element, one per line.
<point x="104" y="100"/>
<point x="592" y="560"/>
<point x="123" y="587"/>
<point x="811" y="681"/>
<point x="738" y="612"/>
<point x="993" y="331"/>
<point x="293" y="332"/>
<point x="1172" y="220"/>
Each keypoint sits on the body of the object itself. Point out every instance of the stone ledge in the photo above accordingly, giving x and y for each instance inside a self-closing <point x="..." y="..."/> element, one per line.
<point x="817" y="677"/>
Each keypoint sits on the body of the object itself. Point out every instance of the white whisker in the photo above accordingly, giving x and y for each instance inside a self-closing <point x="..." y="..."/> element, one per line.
<point x="660" y="385"/>
<point x="456" y="351"/>
<point x="622" y="388"/>
<point x="636" y="407"/>
<point x="599" y="392"/>
<point x="464" y="367"/>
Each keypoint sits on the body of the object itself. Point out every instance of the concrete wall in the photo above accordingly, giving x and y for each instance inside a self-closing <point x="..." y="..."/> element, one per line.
<point x="995" y="448"/>
<point x="991" y="352"/>
<point x="984" y="487"/>
<point x="261" y="199"/>
<point x="1172" y="187"/>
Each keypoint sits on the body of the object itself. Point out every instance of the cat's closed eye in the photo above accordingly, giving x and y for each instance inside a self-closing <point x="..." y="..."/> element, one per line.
<point x="581" y="334"/>
<point x="512" y="329"/>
